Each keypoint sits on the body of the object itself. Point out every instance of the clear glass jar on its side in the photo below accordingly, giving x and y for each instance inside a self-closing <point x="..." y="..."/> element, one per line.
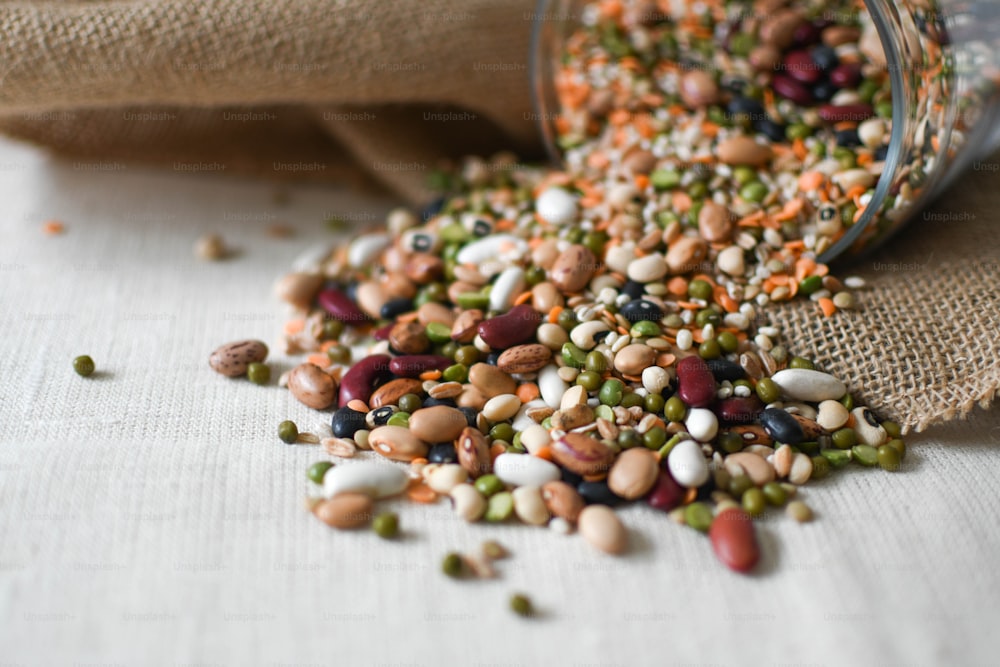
<point x="941" y="59"/>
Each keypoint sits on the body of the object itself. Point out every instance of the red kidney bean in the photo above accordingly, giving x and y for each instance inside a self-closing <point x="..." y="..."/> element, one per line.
<point x="412" y="365"/>
<point x="838" y="114"/>
<point x="514" y="327"/>
<point x="800" y="66"/>
<point x="382" y="333"/>
<point x="739" y="409"/>
<point x="845" y="76"/>
<point x="667" y="493"/>
<point x="361" y="379"/>
<point x="791" y="89"/>
<point x="695" y="382"/>
<point x="806" y="34"/>
<point x="340" y="307"/>
<point x="733" y="540"/>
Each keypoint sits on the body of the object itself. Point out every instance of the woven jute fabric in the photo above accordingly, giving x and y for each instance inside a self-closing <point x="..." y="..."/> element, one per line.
<point x="335" y="90"/>
<point x="924" y="347"/>
<point x="312" y="89"/>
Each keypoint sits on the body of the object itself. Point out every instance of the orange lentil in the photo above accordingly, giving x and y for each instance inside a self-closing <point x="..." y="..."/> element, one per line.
<point x="430" y="375"/>
<point x="677" y="286"/>
<point x="545" y="453"/>
<point x="810" y="180"/>
<point x="554" y="314"/>
<point x="295" y="326"/>
<point x="523" y="297"/>
<point x="320" y="360"/>
<point x="527" y="392"/>
<point x="496" y="449"/>
<point x="421" y="493"/>
<point x="53" y="227"/>
<point x="827" y="306"/>
<point x="357" y="405"/>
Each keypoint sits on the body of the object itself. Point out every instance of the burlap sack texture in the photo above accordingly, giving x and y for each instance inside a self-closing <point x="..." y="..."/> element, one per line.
<point x="315" y="89"/>
<point x="309" y="89"/>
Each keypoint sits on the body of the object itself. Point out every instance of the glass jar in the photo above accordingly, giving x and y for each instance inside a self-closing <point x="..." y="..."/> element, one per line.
<point x="939" y="61"/>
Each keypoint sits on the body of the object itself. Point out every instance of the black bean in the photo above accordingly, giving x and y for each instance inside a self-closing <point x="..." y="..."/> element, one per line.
<point x="825" y="57"/>
<point x="570" y="477"/>
<point x="848" y="138"/>
<point x="431" y="402"/>
<point x="824" y="91"/>
<point x="781" y="426"/>
<point x="633" y="289"/>
<point x="723" y="369"/>
<point x="770" y="129"/>
<point x="395" y="307"/>
<point x="346" y="422"/>
<point x="746" y="105"/>
<point x="640" y="309"/>
<point x="432" y="209"/>
<point x="471" y="415"/>
<point x="443" y="452"/>
<point x="598" y="493"/>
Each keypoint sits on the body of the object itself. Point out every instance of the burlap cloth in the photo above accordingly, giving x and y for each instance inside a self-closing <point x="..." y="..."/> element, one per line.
<point x="316" y="89"/>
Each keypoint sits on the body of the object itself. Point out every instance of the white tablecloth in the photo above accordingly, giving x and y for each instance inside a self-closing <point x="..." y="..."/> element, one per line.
<point x="150" y="516"/>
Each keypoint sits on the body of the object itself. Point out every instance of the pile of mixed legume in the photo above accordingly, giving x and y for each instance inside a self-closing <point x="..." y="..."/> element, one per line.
<point x="549" y="344"/>
<point x="771" y="117"/>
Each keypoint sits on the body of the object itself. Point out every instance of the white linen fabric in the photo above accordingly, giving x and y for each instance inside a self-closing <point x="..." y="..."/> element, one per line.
<point x="150" y="516"/>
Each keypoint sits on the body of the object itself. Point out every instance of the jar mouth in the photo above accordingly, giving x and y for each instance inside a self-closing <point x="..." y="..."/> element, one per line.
<point x="552" y="20"/>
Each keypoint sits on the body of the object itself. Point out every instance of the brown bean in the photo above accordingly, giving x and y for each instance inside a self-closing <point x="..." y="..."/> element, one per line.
<point x="574" y="417"/>
<point x="312" y="386"/>
<point x="582" y="454"/>
<point x="345" y="510"/>
<point x="392" y="391"/>
<point x="573" y="268"/>
<point x="423" y="268"/>
<point x="232" y="359"/>
<point x="698" y="89"/>
<point x="466" y="325"/>
<point x="685" y="254"/>
<point x="524" y="358"/>
<point x="439" y="423"/>
<point x="640" y="161"/>
<point x="742" y="150"/>
<point x="490" y="380"/>
<point x="634" y="473"/>
<point x="409" y="338"/>
<point x="778" y="29"/>
<point x="545" y="296"/>
<point x="715" y="223"/>
<point x="474" y="452"/>
<point x="397" y="443"/>
<point x="435" y="312"/>
<point x="298" y="289"/>
<point x="562" y="500"/>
